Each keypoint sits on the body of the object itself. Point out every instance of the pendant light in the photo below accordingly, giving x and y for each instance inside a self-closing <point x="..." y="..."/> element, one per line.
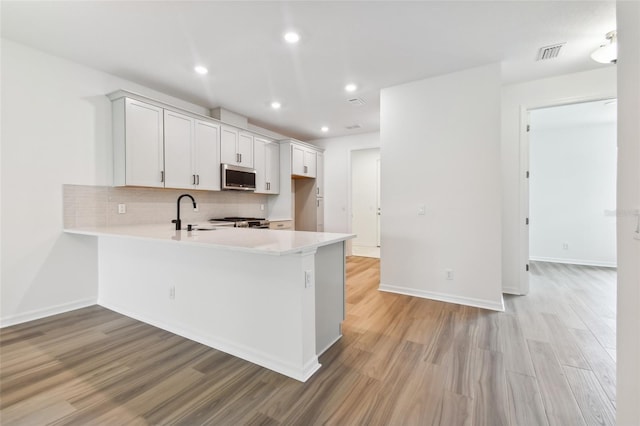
<point x="608" y="52"/>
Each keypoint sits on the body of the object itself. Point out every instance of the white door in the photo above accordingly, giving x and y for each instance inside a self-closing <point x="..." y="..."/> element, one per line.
<point x="378" y="200"/>
<point x="365" y="201"/>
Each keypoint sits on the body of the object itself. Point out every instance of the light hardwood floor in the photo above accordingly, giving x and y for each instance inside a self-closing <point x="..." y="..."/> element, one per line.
<point x="547" y="360"/>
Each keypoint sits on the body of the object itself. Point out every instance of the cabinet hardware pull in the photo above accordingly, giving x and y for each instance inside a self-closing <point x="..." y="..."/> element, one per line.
<point x="240" y="157"/>
<point x="194" y="179"/>
<point x="197" y="179"/>
<point x="305" y="169"/>
<point x="318" y="191"/>
<point x="162" y="176"/>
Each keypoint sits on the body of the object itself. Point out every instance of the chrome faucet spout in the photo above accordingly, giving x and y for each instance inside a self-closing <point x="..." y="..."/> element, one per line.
<point x="177" y="220"/>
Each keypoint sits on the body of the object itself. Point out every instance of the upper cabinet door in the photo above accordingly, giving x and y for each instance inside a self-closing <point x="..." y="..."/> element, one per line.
<point x="297" y="160"/>
<point x="259" y="159"/>
<point x="245" y="150"/>
<point x="143" y="139"/>
<point x="206" y="158"/>
<point x="303" y="161"/>
<point x="310" y="163"/>
<point x="178" y="149"/>
<point x="319" y="174"/>
<point x="228" y="145"/>
<point x="272" y="167"/>
<point x="267" y="164"/>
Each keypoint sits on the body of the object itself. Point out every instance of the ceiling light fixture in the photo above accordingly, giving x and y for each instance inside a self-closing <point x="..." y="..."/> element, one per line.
<point x="607" y="53"/>
<point x="292" y="37"/>
<point x="324" y="129"/>
<point x="276" y="105"/>
<point x="350" y="87"/>
<point x="200" y="69"/>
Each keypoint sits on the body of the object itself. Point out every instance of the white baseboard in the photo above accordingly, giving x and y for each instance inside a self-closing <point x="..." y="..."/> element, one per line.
<point x="468" y="301"/>
<point x="45" y="312"/>
<point x="574" y="261"/>
<point x="300" y="373"/>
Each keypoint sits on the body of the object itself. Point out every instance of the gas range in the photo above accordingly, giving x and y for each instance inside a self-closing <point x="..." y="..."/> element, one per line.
<point x="245" y="222"/>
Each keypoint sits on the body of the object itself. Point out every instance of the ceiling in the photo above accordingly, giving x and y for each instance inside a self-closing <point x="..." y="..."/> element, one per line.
<point x="374" y="44"/>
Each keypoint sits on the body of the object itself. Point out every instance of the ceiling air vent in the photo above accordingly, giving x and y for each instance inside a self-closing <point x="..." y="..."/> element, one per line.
<point x="356" y="101"/>
<point x="353" y="127"/>
<point x="549" y="52"/>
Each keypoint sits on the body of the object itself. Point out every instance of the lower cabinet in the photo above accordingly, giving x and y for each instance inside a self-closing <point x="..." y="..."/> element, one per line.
<point x="281" y="224"/>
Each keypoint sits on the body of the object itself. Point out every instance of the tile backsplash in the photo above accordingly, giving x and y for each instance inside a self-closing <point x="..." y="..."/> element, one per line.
<point x="87" y="206"/>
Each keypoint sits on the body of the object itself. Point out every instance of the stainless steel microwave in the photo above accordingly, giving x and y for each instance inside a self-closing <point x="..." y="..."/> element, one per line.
<point x="238" y="178"/>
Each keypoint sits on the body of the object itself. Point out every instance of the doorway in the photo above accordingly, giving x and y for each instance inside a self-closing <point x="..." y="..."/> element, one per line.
<point x="365" y="202"/>
<point x="572" y="184"/>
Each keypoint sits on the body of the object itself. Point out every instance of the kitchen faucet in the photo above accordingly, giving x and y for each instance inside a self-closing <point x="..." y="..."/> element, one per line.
<point x="177" y="221"/>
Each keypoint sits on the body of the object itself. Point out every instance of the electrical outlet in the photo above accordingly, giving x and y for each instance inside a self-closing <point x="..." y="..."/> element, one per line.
<point x="448" y="274"/>
<point x="308" y="279"/>
<point x="565" y="246"/>
<point x="262" y="207"/>
<point x="122" y="208"/>
<point x="172" y="292"/>
<point x="422" y="210"/>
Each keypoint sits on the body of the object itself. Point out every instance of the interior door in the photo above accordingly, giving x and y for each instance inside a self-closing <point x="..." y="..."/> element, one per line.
<point x="378" y="202"/>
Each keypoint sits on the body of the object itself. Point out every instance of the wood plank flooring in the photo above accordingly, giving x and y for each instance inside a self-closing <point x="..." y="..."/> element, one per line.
<point x="547" y="360"/>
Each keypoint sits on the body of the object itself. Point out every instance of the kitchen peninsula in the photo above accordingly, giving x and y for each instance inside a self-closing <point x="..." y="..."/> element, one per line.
<point x="274" y="298"/>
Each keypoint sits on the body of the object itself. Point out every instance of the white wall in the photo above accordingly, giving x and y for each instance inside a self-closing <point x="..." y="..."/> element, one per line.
<point x="516" y="98"/>
<point x="440" y="148"/>
<point x="56" y="129"/>
<point x="572" y="192"/>
<point x="364" y="194"/>
<point x="628" y="332"/>
<point x="337" y="177"/>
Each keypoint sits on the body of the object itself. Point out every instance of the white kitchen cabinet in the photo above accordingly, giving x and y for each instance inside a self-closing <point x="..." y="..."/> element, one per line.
<point x="320" y="214"/>
<point x="281" y="225"/>
<point x="191" y="152"/>
<point x="267" y="165"/>
<point x="298" y="194"/>
<point x="236" y="147"/>
<point x="178" y="141"/>
<point x="320" y="174"/>
<point x="206" y="155"/>
<point x="303" y="161"/>
<point x="138" y="136"/>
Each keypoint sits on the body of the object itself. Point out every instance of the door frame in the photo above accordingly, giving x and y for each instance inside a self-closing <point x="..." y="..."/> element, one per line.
<point x="524" y="179"/>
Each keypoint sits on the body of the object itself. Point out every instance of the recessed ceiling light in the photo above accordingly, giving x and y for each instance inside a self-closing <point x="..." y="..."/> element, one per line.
<point x="200" y="69"/>
<point x="324" y="128"/>
<point x="276" y="105"/>
<point x="350" y="87"/>
<point x="292" y="37"/>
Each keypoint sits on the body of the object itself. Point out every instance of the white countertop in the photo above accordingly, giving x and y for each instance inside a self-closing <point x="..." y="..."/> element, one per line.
<point x="249" y="240"/>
